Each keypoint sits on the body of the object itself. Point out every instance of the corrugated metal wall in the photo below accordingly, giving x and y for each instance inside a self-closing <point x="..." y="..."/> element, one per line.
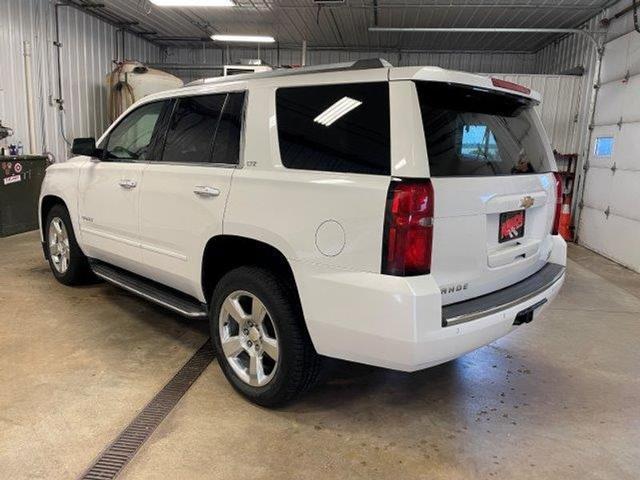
<point x="473" y="62"/>
<point x="89" y="46"/>
<point x="558" y="113"/>
<point x="561" y="103"/>
<point x="570" y="52"/>
<point x="21" y="20"/>
<point x="87" y="54"/>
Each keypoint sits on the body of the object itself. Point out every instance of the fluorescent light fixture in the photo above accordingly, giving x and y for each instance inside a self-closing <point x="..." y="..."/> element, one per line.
<point x="194" y="3"/>
<point x="243" y="38"/>
<point x="337" y="111"/>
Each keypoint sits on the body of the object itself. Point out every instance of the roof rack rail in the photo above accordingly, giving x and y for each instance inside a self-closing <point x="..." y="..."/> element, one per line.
<point x="362" y="64"/>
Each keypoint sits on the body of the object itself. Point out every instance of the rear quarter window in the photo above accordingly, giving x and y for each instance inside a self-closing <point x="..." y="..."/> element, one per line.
<point x="335" y="128"/>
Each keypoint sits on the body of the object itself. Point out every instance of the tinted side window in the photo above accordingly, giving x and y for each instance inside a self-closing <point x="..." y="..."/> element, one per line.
<point x="227" y="141"/>
<point x="131" y="138"/>
<point x="337" y="128"/>
<point x="192" y="128"/>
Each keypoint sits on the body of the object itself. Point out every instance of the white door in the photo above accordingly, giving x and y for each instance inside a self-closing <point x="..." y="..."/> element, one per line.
<point x="183" y="195"/>
<point x="109" y="190"/>
<point x="609" y="220"/>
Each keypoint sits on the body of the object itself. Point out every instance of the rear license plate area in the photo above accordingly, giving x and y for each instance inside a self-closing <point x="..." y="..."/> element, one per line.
<point x="511" y="226"/>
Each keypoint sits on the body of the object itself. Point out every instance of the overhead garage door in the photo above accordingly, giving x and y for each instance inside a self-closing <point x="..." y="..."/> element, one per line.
<point x="610" y="219"/>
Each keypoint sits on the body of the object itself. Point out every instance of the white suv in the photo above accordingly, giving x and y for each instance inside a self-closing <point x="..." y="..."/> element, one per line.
<point x="397" y="217"/>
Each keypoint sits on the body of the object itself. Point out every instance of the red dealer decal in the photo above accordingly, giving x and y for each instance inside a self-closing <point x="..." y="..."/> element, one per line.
<point x="510" y="226"/>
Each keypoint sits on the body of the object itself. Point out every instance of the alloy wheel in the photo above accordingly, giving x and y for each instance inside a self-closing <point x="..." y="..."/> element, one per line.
<point x="59" y="249"/>
<point x="249" y="338"/>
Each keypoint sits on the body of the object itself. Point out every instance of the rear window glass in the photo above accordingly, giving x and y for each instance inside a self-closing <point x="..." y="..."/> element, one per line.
<point x="336" y="128"/>
<point x="475" y="132"/>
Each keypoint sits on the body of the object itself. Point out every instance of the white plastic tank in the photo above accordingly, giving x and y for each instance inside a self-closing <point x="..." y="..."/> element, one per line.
<point x="130" y="81"/>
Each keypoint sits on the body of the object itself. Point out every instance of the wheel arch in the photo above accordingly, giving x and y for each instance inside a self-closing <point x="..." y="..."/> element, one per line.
<point x="47" y="202"/>
<point x="223" y="253"/>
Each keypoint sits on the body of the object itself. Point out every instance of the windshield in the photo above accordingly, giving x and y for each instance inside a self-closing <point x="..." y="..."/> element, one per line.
<point x="472" y="131"/>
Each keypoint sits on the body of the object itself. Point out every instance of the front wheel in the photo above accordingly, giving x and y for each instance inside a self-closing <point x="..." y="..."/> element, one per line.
<point x="67" y="262"/>
<point x="260" y="339"/>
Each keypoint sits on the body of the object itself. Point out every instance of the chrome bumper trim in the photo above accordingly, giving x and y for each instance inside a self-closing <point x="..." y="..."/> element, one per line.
<point x="504" y="299"/>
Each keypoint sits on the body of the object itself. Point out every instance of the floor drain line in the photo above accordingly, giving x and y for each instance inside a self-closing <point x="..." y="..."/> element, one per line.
<point x="113" y="459"/>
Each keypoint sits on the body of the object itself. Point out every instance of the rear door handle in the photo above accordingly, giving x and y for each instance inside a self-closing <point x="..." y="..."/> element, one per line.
<point x="205" y="191"/>
<point x="128" y="184"/>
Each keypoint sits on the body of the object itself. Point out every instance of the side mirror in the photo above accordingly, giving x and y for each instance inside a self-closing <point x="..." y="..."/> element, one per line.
<point x="85" y="146"/>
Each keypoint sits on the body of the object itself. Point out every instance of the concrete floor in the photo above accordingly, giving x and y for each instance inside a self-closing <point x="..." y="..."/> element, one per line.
<point x="559" y="398"/>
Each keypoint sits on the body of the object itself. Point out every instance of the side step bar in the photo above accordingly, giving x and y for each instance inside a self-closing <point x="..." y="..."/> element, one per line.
<point x="152" y="291"/>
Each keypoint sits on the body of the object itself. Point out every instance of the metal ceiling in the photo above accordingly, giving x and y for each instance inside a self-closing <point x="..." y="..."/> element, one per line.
<point x="345" y="26"/>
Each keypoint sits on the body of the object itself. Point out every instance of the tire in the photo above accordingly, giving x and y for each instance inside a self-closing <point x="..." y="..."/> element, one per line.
<point x="298" y="365"/>
<point x="58" y="230"/>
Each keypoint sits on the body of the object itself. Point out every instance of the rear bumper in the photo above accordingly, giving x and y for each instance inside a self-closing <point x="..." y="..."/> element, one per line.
<point x="512" y="296"/>
<point x="397" y="323"/>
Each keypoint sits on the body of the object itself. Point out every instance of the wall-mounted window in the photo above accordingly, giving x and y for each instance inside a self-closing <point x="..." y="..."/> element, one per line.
<point x="604" y="146"/>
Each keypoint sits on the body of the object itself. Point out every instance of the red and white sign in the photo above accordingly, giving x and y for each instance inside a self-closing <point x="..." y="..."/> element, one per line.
<point x="17" y="167"/>
<point x="12" y="179"/>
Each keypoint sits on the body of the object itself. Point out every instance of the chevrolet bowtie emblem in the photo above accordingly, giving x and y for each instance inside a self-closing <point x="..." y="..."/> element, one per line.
<point x="527" y="202"/>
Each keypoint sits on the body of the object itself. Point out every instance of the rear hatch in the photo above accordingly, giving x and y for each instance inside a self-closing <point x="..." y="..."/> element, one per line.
<point x="490" y="165"/>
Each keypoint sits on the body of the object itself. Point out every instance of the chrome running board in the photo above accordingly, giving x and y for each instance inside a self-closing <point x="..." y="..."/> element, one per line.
<point x="154" y="292"/>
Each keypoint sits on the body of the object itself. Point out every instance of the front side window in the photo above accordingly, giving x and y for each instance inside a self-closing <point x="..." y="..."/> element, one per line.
<point x="335" y="128"/>
<point x="131" y="138"/>
<point x="477" y="132"/>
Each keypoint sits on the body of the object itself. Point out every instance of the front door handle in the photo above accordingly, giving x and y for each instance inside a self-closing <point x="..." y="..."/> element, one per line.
<point x="205" y="191"/>
<point x="127" y="184"/>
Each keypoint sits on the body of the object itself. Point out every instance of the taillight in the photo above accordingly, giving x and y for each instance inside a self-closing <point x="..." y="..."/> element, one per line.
<point x="559" y="192"/>
<point x="408" y="228"/>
